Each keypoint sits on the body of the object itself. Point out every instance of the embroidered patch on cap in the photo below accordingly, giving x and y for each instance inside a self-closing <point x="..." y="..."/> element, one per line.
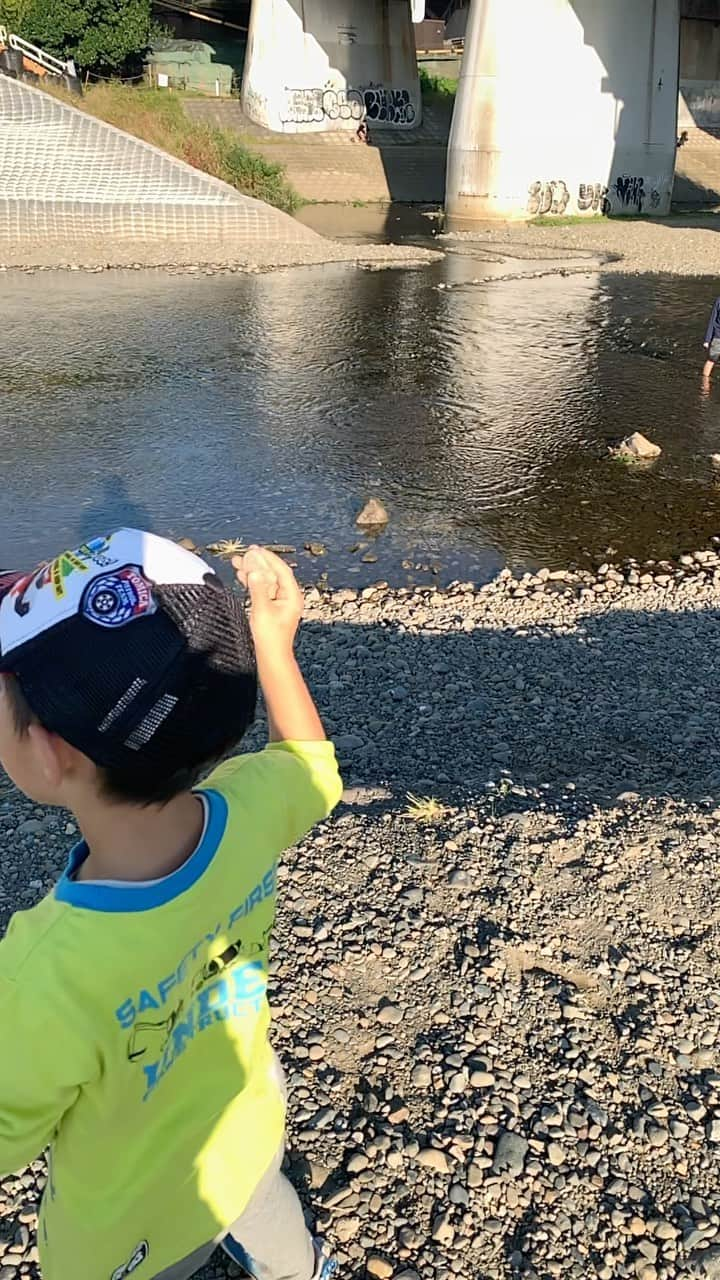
<point x="117" y="598"/>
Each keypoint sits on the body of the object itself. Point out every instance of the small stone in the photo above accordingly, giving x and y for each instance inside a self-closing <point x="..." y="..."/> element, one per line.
<point x="637" y="446"/>
<point x="378" y="1267"/>
<point x="346" y="743"/>
<point x="481" y="1079"/>
<point x="347" y="1228"/>
<point x="665" y="1230"/>
<point x="373" y="514"/>
<point x="648" y="1249"/>
<point x="408" y="1238"/>
<point x="459" y="878"/>
<point x="421" y="1076"/>
<point x="510" y="1151"/>
<point x="457" y="1082"/>
<point x="458" y="1194"/>
<point x="398" y="1112"/>
<point x="556" y="1154"/>
<point x="390" y="1015"/>
<point x="442" y="1228"/>
<point x="31" y="827"/>
<point x="432" y="1158"/>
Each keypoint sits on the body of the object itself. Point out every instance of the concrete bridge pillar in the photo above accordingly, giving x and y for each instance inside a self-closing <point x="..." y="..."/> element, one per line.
<point x="564" y="107"/>
<point x="326" y="65"/>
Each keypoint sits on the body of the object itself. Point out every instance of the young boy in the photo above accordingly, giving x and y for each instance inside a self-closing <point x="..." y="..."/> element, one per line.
<point x="133" y="1010"/>
<point x="712" y="340"/>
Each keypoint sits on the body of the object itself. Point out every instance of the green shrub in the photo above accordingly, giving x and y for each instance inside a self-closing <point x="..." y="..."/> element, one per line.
<point x="437" y="86"/>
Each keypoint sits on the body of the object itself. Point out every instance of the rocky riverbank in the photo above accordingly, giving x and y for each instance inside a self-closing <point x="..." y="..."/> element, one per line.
<point x="213" y="258"/>
<point x="498" y="1006"/>
<point x="680" y="245"/>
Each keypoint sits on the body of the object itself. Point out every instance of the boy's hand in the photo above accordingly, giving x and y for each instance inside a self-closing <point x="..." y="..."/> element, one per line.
<point x="276" y="601"/>
<point x="276" y="605"/>
<point x="706" y="344"/>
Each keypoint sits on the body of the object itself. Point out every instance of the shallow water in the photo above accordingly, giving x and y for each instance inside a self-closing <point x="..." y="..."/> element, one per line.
<point x="269" y="407"/>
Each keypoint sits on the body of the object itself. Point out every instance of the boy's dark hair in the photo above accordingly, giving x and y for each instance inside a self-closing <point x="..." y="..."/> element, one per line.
<point x="143" y="788"/>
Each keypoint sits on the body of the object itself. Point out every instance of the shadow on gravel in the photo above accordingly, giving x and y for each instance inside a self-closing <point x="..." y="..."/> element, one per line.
<point x="624" y="701"/>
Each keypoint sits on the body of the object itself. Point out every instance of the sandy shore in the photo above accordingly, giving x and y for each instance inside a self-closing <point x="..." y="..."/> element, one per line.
<point x="499" y="1013"/>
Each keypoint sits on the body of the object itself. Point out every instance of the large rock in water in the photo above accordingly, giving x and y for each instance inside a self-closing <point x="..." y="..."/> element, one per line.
<point x="638" y="446"/>
<point x="373" y="515"/>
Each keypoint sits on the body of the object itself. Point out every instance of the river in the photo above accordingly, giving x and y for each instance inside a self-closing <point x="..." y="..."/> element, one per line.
<point x="268" y="407"/>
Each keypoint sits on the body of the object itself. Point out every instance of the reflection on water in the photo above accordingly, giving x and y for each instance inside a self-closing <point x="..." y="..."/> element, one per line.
<point x="269" y="407"/>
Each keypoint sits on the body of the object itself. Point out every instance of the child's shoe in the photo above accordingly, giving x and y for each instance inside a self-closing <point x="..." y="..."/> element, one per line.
<point x="326" y="1265"/>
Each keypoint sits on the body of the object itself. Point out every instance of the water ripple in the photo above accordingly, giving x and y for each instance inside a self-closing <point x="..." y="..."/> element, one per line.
<point x="268" y="407"/>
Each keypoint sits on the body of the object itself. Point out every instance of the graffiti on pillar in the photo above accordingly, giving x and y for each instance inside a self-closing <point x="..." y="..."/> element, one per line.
<point x="593" y="197"/>
<point x="303" y="106"/>
<point x="373" y="102"/>
<point x="255" y="104"/>
<point x="630" y="191"/>
<point x="343" y="104"/>
<point x="654" y="198"/>
<point x="547" y="197"/>
<point x="388" y="106"/>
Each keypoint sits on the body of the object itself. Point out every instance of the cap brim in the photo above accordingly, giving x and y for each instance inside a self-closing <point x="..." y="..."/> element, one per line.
<point x="8" y="578"/>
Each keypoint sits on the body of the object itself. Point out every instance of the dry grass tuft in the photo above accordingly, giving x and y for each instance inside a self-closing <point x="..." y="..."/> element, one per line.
<point x="227" y="547"/>
<point x="425" y="810"/>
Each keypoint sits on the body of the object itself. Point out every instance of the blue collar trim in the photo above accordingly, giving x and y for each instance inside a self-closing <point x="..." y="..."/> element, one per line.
<point x="136" y="897"/>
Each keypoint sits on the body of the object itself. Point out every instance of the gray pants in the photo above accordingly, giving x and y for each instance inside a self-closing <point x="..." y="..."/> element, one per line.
<point x="275" y="1243"/>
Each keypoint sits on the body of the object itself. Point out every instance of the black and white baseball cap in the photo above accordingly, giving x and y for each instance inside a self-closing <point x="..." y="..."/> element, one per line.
<point x="132" y="650"/>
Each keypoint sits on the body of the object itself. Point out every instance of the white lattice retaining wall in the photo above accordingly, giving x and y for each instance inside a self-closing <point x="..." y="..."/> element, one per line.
<point x="65" y="174"/>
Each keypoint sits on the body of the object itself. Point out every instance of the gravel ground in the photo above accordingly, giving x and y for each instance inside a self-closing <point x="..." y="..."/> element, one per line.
<point x="500" y="1024"/>
<point x="100" y="255"/>
<point x="683" y="246"/>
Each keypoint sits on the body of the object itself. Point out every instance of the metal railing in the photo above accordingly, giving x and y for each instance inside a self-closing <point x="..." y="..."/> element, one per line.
<point x="54" y="66"/>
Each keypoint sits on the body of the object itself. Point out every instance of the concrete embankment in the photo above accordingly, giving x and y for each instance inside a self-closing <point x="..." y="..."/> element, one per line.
<point x="75" y="191"/>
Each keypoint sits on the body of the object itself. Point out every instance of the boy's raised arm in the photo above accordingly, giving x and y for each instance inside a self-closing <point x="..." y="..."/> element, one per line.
<point x="276" y="606"/>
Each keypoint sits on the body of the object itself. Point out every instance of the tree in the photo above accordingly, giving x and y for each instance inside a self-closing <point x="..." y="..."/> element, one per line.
<point x="98" y="34"/>
<point x="13" y="14"/>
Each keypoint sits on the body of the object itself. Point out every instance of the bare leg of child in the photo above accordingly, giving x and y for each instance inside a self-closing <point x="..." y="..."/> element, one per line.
<point x="708" y="367"/>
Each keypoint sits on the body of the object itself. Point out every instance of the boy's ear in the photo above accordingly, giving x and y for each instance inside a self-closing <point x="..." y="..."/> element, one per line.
<point x="54" y="756"/>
